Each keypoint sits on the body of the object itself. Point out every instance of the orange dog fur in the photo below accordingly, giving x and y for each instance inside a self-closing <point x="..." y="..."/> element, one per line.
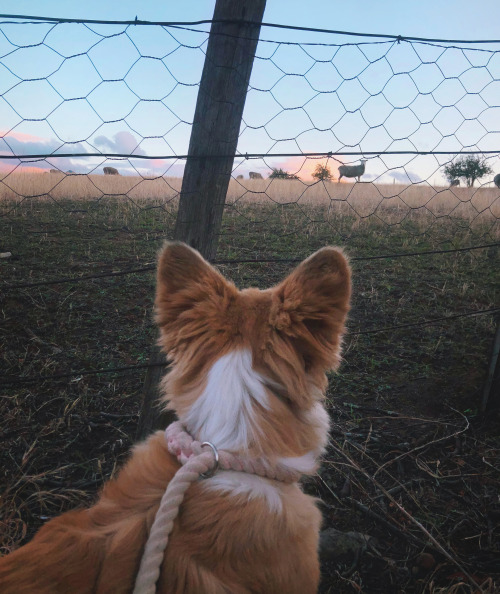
<point x="248" y="373"/>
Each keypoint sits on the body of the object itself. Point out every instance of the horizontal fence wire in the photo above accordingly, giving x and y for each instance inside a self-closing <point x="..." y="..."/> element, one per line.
<point x="152" y="267"/>
<point x="78" y="375"/>
<point x="246" y="156"/>
<point x="136" y="21"/>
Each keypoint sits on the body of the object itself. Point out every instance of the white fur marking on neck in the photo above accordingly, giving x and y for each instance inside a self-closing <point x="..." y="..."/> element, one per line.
<point x="306" y="463"/>
<point x="319" y="420"/>
<point x="223" y="414"/>
<point x="249" y="485"/>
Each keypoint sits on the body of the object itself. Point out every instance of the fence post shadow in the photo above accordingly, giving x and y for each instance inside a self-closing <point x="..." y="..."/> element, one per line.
<point x="151" y="416"/>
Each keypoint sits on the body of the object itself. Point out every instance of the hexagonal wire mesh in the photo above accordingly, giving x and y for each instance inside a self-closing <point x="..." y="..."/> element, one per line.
<point x="82" y="99"/>
<point x="78" y="246"/>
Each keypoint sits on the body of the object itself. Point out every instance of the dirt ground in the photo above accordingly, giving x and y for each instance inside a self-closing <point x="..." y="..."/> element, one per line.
<point x="412" y="464"/>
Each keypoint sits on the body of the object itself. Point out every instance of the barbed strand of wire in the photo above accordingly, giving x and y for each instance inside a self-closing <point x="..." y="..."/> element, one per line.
<point x="330" y="155"/>
<point x="434" y="321"/>
<point x="388" y="41"/>
<point x="362" y="258"/>
<point x="75" y="374"/>
<point x="75" y="279"/>
<point x="137" y="21"/>
<point x="80" y="278"/>
<point x="78" y="374"/>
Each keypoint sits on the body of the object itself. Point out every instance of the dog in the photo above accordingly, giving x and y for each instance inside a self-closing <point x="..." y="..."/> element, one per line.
<point x="248" y="373"/>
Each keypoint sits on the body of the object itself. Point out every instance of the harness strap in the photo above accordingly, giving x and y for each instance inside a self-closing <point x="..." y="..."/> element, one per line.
<point x="152" y="558"/>
<point x="196" y="462"/>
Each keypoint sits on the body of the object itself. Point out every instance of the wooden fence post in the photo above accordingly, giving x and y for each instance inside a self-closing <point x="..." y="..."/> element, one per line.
<point x="491" y="392"/>
<point x="217" y="120"/>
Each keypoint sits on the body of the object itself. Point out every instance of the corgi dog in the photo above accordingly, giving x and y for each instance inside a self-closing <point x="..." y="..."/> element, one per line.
<point x="248" y="375"/>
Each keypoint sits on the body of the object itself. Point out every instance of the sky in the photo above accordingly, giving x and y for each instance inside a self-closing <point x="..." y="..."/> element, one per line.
<point x="112" y="89"/>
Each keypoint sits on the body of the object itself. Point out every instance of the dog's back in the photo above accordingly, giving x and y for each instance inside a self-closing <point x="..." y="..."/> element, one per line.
<point x="218" y="545"/>
<point x="248" y="374"/>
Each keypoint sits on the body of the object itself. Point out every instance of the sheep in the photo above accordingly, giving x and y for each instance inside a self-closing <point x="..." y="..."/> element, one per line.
<point x="454" y="182"/>
<point x="254" y="175"/>
<point x="496" y="180"/>
<point x="110" y="171"/>
<point x="352" y="170"/>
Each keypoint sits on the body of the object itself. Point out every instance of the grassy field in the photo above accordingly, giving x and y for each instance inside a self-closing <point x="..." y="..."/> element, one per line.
<point x="411" y="463"/>
<point x="391" y="202"/>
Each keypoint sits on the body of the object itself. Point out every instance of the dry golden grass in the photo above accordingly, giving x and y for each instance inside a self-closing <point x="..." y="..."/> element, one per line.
<point x="366" y="199"/>
<point x="60" y="186"/>
<point x="391" y="202"/>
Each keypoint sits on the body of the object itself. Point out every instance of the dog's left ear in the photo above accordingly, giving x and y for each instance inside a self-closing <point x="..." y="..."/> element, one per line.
<point x="311" y="304"/>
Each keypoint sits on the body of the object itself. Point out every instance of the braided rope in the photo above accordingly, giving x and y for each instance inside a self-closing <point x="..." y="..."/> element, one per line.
<point x="195" y="462"/>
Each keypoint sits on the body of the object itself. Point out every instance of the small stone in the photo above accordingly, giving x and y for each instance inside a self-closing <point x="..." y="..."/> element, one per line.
<point x="426" y="561"/>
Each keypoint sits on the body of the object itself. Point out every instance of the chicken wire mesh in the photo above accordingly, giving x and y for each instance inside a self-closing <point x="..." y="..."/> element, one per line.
<point x="79" y="97"/>
<point x="96" y="120"/>
<point x="77" y="279"/>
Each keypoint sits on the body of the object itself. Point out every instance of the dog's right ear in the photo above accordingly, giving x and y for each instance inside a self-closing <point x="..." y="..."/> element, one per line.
<point x="189" y="292"/>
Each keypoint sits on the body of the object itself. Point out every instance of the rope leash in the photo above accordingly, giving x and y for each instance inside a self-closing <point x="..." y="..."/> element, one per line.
<point x="196" y="462"/>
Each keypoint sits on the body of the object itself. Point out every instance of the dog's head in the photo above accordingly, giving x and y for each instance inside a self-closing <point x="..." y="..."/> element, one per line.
<point x="248" y="367"/>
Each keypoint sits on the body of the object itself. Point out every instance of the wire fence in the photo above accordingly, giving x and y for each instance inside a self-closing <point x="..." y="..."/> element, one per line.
<point x="124" y="95"/>
<point x="95" y="124"/>
<point x="79" y="99"/>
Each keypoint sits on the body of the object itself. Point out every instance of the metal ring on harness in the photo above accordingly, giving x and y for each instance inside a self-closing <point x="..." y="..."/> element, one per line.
<point x="213" y="470"/>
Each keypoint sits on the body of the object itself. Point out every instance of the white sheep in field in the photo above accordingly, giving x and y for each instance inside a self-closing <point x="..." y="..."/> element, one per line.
<point x="496" y="180"/>
<point x="352" y="170"/>
<point x="454" y="182"/>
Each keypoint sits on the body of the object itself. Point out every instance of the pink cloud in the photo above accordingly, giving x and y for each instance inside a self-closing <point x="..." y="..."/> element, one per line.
<point x="21" y="136"/>
<point x="6" y="168"/>
<point x="19" y="143"/>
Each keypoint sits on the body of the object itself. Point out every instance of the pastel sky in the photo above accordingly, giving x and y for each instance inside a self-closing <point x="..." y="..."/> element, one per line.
<point x="111" y="89"/>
